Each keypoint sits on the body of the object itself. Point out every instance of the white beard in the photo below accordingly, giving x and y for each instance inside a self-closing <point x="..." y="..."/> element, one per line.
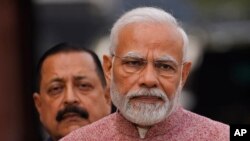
<point x="144" y="114"/>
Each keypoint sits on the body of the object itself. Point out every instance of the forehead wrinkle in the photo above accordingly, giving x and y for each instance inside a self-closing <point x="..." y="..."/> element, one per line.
<point x="133" y="54"/>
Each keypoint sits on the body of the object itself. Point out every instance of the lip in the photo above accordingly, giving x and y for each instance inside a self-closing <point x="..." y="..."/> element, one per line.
<point x="71" y="116"/>
<point x="146" y="99"/>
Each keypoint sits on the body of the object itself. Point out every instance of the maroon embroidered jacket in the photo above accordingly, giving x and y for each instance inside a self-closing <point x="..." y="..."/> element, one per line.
<point x="181" y="125"/>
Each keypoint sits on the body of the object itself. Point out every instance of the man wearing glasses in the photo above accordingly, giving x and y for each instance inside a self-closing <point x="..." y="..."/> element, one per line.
<point x="147" y="70"/>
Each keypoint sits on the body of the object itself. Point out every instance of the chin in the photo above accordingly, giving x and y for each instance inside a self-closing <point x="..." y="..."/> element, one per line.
<point x="69" y="129"/>
<point x="74" y="127"/>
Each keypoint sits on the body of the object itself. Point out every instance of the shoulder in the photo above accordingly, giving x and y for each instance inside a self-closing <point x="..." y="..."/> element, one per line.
<point x="94" y="130"/>
<point x="206" y="128"/>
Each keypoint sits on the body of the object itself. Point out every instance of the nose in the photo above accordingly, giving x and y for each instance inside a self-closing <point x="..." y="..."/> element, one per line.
<point x="70" y="96"/>
<point x="148" y="77"/>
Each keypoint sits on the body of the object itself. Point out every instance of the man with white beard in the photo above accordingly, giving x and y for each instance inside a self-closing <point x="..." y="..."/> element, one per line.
<point x="147" y="69"/>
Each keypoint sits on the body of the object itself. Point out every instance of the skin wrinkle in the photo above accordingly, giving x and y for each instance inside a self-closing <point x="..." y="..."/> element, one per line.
<point x="133" y="54"/>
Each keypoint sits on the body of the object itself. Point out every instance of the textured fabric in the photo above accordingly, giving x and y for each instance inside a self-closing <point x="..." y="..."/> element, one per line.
<point x="181" y="125"/>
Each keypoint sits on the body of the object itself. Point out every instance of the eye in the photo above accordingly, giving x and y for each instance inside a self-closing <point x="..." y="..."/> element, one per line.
<point x="85" y="86"/>
<point x="164" y="66"/>
<point x="55" y="90"/>
<point x="133" y="63"/>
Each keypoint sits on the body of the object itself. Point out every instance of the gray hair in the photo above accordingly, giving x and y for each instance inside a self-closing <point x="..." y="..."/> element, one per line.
<point x="145" y="14"/>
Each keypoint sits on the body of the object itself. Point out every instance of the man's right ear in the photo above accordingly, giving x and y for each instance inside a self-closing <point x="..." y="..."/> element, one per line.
<point x="107" y="65"/>
<point x="37" y="101"/>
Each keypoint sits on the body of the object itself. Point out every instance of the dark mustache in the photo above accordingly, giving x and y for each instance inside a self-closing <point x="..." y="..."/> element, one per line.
<point x="81" y="112"/>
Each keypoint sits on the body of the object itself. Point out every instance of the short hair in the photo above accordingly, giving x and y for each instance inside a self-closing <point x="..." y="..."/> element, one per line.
<point x="145" y="14"/>
<point x="65" y="48"/>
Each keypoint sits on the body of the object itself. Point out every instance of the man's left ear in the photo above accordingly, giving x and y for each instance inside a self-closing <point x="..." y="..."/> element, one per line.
<point x="107" y="67"/>
<point x="37" y="101"/>
<point x="185" y="72"/>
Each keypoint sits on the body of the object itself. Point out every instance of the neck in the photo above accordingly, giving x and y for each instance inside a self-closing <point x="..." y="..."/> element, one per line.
<point x="142" y="130"/>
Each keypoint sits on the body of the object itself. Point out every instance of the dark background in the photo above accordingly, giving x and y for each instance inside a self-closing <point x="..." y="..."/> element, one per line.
<point x="219" y="32"/>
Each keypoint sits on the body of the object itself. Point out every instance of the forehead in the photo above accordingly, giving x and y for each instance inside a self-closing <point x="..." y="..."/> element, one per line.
<point x="143" y="37"/>
<point x="69" y="63"/>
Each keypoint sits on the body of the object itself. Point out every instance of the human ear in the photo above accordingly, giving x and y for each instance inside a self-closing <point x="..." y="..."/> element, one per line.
<point x="107" y="65"/>
<point x="37" y="101"/>
<point x="185" y="72"/>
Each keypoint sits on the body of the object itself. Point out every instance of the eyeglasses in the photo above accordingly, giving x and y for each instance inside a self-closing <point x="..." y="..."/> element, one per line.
<point x="135" y="65"/>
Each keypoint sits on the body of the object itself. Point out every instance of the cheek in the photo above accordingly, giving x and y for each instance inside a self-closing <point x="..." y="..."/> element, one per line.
<point x="123" y="82"/>
<point x="47" y="117"/>
<point x="95" y="106"/>
<point x="49" y="110"/>
<point x="170" y="86"/>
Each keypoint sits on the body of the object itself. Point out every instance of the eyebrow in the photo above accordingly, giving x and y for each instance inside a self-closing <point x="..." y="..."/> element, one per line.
<point x="166" y="58"/>
<point x="79" y="77"/>
<point x="57" y="79"/>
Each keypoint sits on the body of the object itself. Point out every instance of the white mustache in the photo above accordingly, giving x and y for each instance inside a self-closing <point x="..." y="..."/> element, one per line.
<point x="156" y="92"/>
